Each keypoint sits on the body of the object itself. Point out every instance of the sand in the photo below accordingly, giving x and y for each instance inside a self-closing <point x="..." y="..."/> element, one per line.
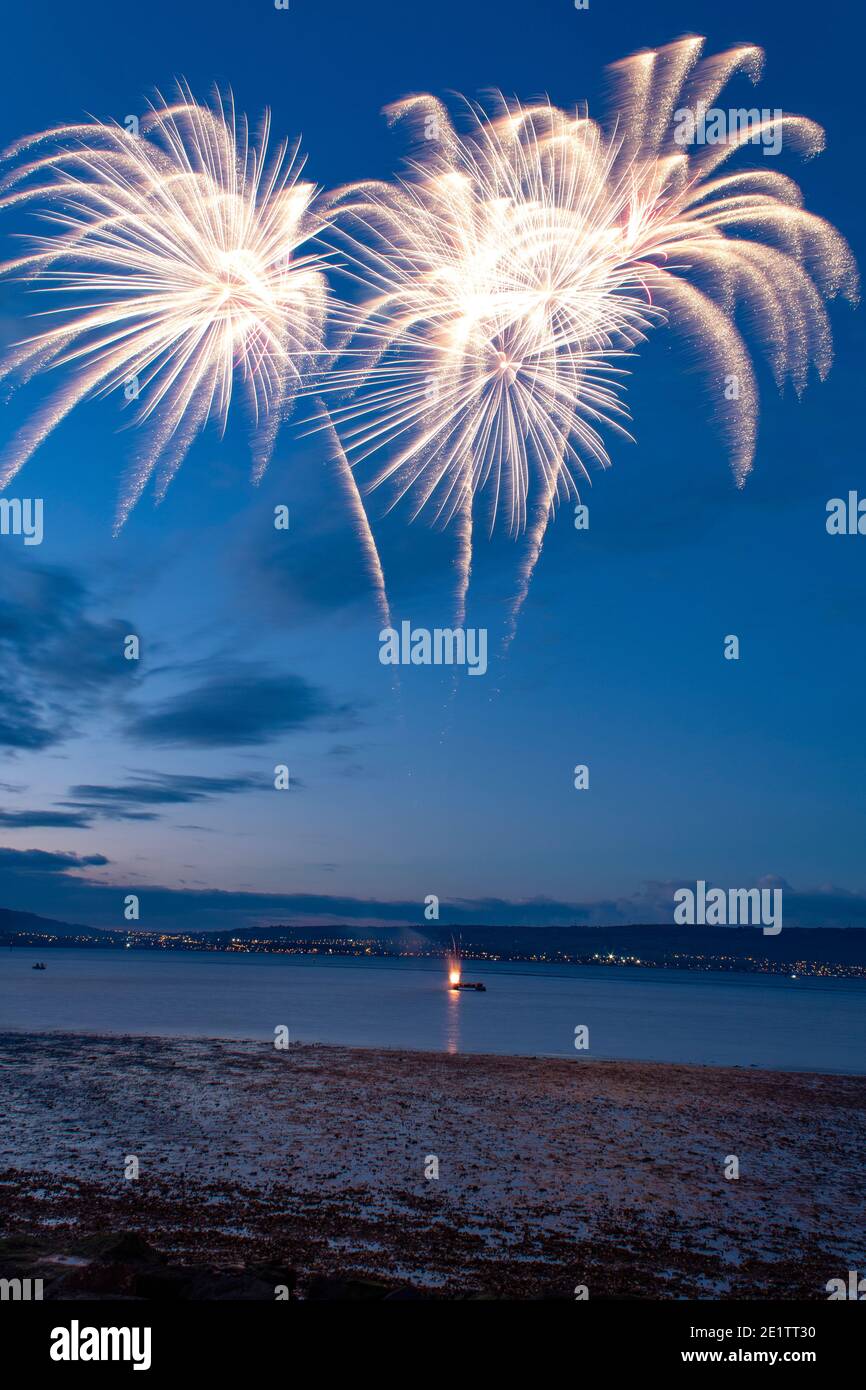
<point x="552" y="1174"/>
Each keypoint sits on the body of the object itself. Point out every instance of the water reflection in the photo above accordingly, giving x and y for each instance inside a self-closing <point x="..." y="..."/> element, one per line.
<point x="452" y="1020"/>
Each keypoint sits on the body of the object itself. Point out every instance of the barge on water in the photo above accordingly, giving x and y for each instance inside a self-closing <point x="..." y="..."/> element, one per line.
<point x="456" y="981"/>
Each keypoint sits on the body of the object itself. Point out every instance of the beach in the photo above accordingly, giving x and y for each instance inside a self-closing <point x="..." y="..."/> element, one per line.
<point x="313" y="1169"/>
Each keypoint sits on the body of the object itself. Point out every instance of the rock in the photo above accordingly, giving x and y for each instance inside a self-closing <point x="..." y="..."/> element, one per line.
<point x="126" y="1248"/>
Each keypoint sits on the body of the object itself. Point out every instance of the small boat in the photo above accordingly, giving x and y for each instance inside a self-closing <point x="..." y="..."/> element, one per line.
<point x="455" y="980"/>
<point x="40" y="965"/>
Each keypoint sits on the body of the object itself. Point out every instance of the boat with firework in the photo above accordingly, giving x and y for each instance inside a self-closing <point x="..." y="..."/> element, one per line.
<point x="456" y="981"/>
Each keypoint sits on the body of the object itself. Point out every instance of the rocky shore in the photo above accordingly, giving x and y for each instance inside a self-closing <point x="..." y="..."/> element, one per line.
<point x="185" y="1169"/>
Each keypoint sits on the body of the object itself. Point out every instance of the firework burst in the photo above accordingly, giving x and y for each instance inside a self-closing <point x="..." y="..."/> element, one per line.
<point x="183" y="254"/>
<point x="513" y="270"/>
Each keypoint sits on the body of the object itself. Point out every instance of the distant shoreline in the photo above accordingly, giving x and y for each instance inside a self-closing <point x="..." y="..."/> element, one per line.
<point x="681" y="960"/>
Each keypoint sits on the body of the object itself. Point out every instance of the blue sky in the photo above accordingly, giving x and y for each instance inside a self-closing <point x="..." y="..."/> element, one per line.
<point x="261" y="648"/>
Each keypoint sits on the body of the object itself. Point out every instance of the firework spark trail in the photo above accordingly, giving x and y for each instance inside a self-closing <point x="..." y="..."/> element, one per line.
<point x="512" y="271"/>
<point x="184" y="256"/>
<point x="464" y="555"/>
<point x="544" y="507"/>
<point x="355" y="503"/>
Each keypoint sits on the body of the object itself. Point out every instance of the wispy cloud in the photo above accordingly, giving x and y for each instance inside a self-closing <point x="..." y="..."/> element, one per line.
<point x="27" y="820"/>
<point x="238" y="705"/>
<point x="41" y="861"/>
<point x="126" y="800"/>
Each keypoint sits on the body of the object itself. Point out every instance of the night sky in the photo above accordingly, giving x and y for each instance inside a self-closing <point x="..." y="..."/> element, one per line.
<point x="261" y="647"/>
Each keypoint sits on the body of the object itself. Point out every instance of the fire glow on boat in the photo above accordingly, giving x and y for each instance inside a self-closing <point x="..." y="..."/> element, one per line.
<point x="456" y="982"/>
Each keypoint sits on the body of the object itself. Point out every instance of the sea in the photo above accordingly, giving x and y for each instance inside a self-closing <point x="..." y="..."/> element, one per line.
<point x="718" y="1019"/>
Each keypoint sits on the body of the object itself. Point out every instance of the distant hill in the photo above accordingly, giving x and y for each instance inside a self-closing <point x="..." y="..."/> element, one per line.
<point x="16" y="924"/>
<point x="654" y="941"/>
<point x="800" y="949"/>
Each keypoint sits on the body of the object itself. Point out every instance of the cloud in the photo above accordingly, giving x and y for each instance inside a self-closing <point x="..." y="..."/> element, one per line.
<point x="165" y="789"/>
<point x="27" y="861"/>
<point x="58" y="660"/>
<point x="51" y="884"/>
<point x="27" y="820"/>
<point x="22" y="723"/>
<point x="238" y="705"/>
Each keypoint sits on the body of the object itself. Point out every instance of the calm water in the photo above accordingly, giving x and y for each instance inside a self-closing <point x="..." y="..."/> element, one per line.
<point x="764" y="1021"/>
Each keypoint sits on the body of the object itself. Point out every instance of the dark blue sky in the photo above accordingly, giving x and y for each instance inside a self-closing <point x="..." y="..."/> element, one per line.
<point x="260" y="648"/>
